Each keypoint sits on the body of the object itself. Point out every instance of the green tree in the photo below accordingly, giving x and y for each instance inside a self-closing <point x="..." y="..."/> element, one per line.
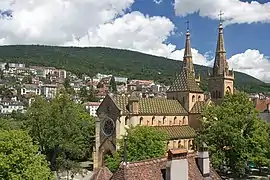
<point x="113" y="87"/>
<point x="19" y="158"/>
<point x="234" y="134"/>
<point x="143" y="142"/>
<point x="27" y="79"/>
<point x="63" y="129"/>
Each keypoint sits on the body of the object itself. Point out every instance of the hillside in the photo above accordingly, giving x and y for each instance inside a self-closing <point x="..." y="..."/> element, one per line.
<point x="113" y="61"/>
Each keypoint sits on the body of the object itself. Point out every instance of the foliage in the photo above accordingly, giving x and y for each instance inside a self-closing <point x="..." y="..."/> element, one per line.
<point x="234" y="134"/>
<point x="63" y="129"/>
<point x="27" y="80"/>
<point x="117" y="62"/>
<point x="19" y="158"/>
<point x="143" y="142"/>
<point x="87" y="95"/>
<point x="10" y="124"/>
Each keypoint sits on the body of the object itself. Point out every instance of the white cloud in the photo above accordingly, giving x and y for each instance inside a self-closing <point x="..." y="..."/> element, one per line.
<point x="252" y="62"/>
<point x="235" y="11"/>
<point x="56" y="21"/>
<point x="59" y="22"/>
<point x="158" y="1"/>
<point x="133" y="31"/>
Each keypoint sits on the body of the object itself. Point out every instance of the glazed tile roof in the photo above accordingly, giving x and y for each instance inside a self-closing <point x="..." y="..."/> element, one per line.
<point x="151" y="106"/>
<point x="198" y="107"/>
<point x="178" y="132"/>
<point x="185" y="82"/>
<point x="152" y="170"/>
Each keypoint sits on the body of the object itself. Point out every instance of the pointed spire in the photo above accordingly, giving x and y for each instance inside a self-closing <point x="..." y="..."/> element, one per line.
<point x="187" y="60"/>
<point x="220" y="64"/>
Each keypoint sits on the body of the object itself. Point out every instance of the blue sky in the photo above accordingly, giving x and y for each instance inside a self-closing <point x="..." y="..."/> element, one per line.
<point x="146" y="26"/>
<point x="238" y="37"/>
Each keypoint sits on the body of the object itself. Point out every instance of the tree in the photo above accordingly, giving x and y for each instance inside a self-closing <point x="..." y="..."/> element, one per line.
<point x="19" y="158"/>
<point x="63" y="129"/>
<point x="234" y="134"/>
<point x="143" y="142"/>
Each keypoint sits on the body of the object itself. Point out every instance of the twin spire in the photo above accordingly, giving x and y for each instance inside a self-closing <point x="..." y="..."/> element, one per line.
<point x="220" y="64"/>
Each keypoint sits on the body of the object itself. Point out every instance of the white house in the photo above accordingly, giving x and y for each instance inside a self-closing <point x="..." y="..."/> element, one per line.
<point x="92" y="107"/>
<point x="7" y="107"/>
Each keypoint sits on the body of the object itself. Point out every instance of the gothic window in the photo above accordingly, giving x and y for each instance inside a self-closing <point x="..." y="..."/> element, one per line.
<point x="193" y="98"/>
<point x="174" y="120"/>
<point x="126" y="120"/>
<point x="141" y="120"/>
<point x="184" y="120"/>
<point x="179" y="144"/>
<point x="164" y="120"/>
<point x="153" y="118"/>
<point x="199" y="98"/>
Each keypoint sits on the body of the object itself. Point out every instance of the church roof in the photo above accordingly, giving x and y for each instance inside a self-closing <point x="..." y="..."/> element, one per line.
<point x="151" y="106"/>
<point x="178" y="132"/>
<point x="185" y="82"/>
<point x="198" y="107"/>
<point x="152" y="170"/>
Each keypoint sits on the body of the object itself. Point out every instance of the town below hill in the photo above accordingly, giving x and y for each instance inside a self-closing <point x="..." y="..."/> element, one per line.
<point x="133" y="65"/>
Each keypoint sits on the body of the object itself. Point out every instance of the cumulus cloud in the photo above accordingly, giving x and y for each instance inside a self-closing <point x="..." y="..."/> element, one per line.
<point x="109" y="23"/>
<point x="56" y="21"/>
<point x="252" y="62"/>
<point x="133" y="31"/>
<point x="235" y="11"/>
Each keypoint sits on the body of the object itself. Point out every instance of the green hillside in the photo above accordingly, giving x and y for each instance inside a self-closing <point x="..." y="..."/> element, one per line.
<point x="114" y="61"/>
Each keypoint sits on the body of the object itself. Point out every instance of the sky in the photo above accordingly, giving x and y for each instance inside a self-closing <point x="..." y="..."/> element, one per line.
<point x="154" y="27"/>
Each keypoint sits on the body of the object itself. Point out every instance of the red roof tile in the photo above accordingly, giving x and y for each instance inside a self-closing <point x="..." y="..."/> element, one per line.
<point x="152" y="170"/>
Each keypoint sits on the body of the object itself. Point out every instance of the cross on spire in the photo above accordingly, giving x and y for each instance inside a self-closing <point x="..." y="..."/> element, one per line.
<point x="220" y="16"/>
<point x="187" y="22"/>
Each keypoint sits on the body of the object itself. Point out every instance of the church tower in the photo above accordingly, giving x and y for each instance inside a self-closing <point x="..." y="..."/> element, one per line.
<point x="185" y="87"/>
<point x="222" y="79"/>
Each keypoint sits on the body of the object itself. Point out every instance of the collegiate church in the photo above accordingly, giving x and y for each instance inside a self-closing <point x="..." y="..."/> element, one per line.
<point x="178" y="115"/>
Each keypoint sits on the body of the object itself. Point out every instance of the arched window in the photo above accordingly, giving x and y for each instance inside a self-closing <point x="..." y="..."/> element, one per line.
<point x="141" y="121"/>
<point x="184" y="120"/>
<point x="126" y="120"/>
<point x="193" y="98"/>
<point x="153" y="118"/>
<point x="164" y="120"/>
<point x="174" y="120"/>
<point x="179" y="144"/>
<point x="199" y="98"/>
<point x="228" y="90"/>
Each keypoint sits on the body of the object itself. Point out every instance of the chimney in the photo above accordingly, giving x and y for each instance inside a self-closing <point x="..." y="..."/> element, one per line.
<point x="177" y="165"/>
<point x="203" y="161"/>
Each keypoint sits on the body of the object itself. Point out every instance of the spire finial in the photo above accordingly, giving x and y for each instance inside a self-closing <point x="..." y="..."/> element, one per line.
<point x="220" y="17"/>
<point x="187" y="22"/>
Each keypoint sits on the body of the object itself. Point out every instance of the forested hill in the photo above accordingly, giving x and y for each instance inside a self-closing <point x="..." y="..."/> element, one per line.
<point x="113" y="61"/>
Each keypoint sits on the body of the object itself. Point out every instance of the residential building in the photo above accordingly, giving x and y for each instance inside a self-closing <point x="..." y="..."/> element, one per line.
<point x="7" y="107"/>
<point x="92" y="107"/>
